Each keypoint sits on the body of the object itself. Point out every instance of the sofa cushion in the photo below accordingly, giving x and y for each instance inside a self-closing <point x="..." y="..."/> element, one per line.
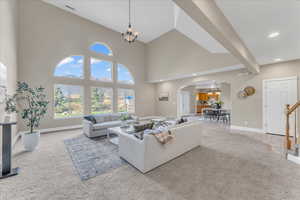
<point x="102" y="118"/>
<point x="115" y="117"/>
<point x="107" y="125"/>
<point x="90" y="118"/>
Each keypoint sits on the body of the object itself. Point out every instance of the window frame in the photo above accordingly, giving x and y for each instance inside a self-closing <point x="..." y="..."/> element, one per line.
<point x="112" y="98"/>
<point x="71" y="78"/>
<point x="111" y="70"/>
<point x="134" y="100"/>
<point x="87" y="83"/>
<point x="83" y="101"/>
<point x="100" y="53"/>
<point x="117" y="76"/>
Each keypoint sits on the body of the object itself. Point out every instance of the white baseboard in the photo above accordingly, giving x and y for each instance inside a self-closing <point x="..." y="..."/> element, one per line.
<point x="15" y="139"/>
<point x="295" y="159"/>
<point x="241" y="128"/>
<point x="48" y="130"/>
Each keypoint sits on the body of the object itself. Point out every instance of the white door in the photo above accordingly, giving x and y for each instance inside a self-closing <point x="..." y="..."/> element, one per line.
<point x="185" y="102"/>
<point x="277" y="94"/>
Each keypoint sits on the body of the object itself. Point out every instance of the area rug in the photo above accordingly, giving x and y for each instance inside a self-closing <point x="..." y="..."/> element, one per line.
<point x="92" y="157"/>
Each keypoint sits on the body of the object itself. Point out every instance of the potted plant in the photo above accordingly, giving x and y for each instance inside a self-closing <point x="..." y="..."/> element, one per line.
<point x="31" y="104"/>
<point x="219" y="104"/>
<point x="124" y="118"/>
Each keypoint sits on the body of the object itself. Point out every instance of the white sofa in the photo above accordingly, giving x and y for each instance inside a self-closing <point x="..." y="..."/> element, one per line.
<point x="148" y="153"/>
<point x="103" y="122"/>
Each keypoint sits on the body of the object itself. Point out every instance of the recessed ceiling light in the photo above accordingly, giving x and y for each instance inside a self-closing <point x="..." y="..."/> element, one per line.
<point x="194" y="74"/>
<point x="277" y="59"/>
<point x="273" y="35"/>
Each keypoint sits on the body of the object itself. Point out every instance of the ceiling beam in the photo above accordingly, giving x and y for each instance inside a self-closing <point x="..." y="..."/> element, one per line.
<point x="208" y="15"/>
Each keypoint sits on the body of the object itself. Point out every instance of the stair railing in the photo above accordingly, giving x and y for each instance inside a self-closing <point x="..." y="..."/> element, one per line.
<point x="289" y="112"/>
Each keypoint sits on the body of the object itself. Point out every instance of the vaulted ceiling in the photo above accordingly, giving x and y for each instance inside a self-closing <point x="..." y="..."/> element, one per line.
<point x="269" y="28"/>
<point x="152" y="18"/>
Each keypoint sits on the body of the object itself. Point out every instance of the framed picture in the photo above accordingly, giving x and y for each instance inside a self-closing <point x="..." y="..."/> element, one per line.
<point x="164" y="96"/>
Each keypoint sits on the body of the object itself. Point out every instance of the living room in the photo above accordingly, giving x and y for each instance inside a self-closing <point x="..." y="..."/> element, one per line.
<point x="76" y="51"/>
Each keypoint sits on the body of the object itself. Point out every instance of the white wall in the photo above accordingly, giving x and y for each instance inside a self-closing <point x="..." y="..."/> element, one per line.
<point x="49" y="34"/>
<point x="9" y="44"/>
<point x="226" y="95"/>
<point x="173" y="55"/>
<point x="193" y="92"/>
<point x="243" y="110"/>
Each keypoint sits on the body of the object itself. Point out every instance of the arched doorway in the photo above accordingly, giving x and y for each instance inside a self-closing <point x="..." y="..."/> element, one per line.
<point x="189" y="102"/>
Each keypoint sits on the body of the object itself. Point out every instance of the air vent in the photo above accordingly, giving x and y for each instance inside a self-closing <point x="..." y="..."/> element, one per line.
<point x="70" y="7"/>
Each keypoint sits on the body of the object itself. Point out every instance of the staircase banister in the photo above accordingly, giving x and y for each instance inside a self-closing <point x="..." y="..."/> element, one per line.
<point x="293" y="108"/>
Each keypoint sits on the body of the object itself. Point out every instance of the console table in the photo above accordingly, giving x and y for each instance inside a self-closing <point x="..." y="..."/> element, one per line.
<point x="7" y="171"/>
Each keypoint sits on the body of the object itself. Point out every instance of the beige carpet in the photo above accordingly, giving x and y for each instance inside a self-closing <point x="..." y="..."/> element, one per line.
<point x="227" y="166"/>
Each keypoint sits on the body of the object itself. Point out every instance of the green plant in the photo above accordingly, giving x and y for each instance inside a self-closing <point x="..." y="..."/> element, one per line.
<point x="30" y="103"/>
<point x="220" y="103"/>
<point x="125" y="117"/>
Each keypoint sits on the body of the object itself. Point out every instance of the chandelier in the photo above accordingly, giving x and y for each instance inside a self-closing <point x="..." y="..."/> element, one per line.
<point x="130" y="35"/>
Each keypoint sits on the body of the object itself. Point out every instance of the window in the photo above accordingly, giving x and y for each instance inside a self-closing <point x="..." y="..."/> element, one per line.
<point x="101" y="70"/>
<point x="124" y="76"/>
<point x="71" y="67"/>
<point x="126" y="100"/>
<point x="3" y="75"/>
<point x="101" y="48"/>
<point x="102" y="100"/>
<point x="3" y="82"/>
<point x="95" y="72"/>
<point x="68" y="101"/>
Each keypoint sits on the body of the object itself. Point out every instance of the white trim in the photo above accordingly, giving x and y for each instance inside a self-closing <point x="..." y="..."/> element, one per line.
<point x="241" y="128"/>
<point x="281" y="79"/>
<point x="16" y="139"/>
<point x="295" y="159"/>
<point x="193" y="75"/>
<point x="264" y="96"/>
<point x="51" y="130"/>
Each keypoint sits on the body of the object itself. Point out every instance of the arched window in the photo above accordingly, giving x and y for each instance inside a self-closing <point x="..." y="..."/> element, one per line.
<point x="3" y="82"/>
<point x="124" y="75"/>
<point x="70" y="67"/>
<point x="3" y="75"/>
<point x="101" y="49"/>
<point x="101" y="77"/>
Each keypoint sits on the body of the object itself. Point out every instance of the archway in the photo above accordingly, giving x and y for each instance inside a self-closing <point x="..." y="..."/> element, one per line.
<point x="216" y="92"/>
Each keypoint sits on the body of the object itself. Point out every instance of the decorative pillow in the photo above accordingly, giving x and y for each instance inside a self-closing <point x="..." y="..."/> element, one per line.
<point x="182" y="120"/>
<point x="142" y="127"/>
<point x="139" y="135"/>
<point x="91" y="119"/>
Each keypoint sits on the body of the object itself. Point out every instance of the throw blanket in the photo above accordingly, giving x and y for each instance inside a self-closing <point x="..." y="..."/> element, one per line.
<point x="163" y="137"/>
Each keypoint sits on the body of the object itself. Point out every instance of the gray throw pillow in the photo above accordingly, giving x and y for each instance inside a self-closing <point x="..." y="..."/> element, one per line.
<point x="90" y="118"/>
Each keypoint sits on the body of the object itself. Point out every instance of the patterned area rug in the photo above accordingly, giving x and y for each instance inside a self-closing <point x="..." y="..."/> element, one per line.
<point x="92" y="157"/>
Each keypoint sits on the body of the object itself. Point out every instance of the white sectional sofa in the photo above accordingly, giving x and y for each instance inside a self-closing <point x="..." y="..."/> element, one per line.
<point x="148" y="153"/>
<point x="103" y="122"/>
